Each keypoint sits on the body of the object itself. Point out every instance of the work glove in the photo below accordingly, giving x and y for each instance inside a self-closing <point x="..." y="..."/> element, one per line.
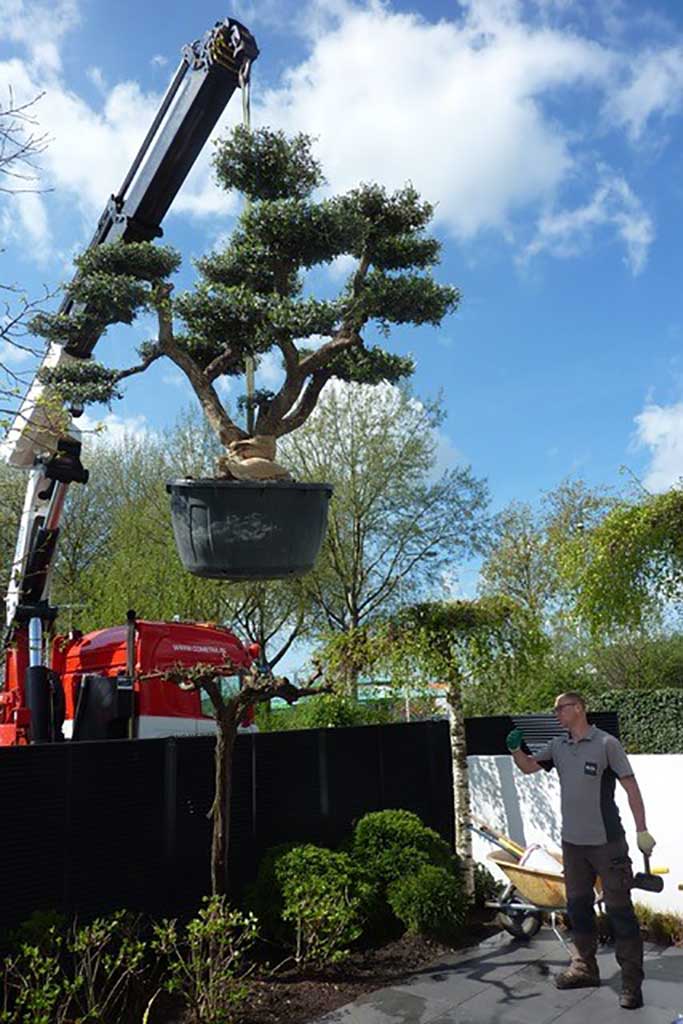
<point x="513" y="740"/>
<point x="646" y="843"/>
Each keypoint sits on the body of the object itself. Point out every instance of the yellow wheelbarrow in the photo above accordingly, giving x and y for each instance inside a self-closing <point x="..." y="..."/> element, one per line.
<point x="536" y="886"/>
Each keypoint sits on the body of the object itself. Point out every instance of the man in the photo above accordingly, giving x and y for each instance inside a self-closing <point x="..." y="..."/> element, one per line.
<point x="588" y="762"/>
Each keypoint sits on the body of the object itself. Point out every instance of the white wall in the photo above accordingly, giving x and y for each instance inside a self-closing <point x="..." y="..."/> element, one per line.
<point x="527" y="809"/>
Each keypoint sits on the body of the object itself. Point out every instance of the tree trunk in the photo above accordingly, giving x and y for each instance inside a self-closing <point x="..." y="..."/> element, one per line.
<point x="226" y="731"/>
<point x="461" y="785"/>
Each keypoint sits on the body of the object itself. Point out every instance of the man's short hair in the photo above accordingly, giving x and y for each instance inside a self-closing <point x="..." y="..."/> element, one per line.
<point x="576" y="697"/>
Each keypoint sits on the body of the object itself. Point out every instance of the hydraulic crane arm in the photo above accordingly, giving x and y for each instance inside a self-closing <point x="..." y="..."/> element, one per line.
<point x="41" y="440"/>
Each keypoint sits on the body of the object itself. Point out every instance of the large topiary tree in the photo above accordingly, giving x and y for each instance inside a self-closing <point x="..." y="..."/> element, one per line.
<point x="253" y="297"/>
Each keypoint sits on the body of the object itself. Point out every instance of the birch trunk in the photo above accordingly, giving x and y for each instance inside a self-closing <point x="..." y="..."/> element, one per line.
<point x="461" y="785"/>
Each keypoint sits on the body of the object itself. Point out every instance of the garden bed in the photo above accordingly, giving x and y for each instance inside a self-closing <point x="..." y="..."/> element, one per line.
<point x="300" y="997"/>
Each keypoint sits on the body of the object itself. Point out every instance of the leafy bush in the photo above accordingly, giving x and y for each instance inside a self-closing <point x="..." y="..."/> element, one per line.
<point x="35" y="987"/>
<point x="265" y="897"/>
<point x="650" y="721"/>
<point x="205" y="965"/>
<point x="325" y="712"/>
<point x="663" y="927"/>
<point x="324" y="900"/>
<point x="394" y="843"/>
<point x="486" y="887"/>
<point x="83" y="974"/>
<point x="431" y="902"/>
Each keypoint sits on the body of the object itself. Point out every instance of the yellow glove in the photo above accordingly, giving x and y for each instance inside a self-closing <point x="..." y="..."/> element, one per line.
<point x="646" y="843"/>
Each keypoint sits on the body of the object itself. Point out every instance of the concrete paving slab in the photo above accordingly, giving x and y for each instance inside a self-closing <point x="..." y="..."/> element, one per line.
<point x="506" y="982"/>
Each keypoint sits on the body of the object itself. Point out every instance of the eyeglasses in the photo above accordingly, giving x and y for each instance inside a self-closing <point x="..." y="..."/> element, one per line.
<point x="560" y="707"/>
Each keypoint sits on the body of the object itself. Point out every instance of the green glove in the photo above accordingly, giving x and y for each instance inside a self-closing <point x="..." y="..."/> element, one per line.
<point x="514" y="739"/>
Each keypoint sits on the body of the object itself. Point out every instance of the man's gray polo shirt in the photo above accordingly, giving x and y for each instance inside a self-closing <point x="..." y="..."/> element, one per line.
<point x="588" y="770"/>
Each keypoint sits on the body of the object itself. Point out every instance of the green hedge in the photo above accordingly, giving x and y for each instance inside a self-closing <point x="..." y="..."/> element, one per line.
<point x="650" y="721"/>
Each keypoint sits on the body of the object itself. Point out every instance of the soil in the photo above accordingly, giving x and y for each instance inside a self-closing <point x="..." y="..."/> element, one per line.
<point x="301" y="996"/>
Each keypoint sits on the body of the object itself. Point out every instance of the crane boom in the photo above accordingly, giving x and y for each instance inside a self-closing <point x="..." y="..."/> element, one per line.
<point x="43" y="440"/>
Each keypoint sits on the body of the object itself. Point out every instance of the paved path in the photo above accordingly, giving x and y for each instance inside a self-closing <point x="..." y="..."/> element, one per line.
<point x="506" y="982"/>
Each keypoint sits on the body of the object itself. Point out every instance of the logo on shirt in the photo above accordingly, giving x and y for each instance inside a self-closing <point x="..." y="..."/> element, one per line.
<point x="590" y="768"/>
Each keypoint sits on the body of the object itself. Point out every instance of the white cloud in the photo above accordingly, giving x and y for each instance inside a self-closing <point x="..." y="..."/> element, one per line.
<point x="39" y="27"/>
<point x="342" y="267"/>
<point x="456" y="107"/>
<point x="159" y="61"/>
<point x="97" y="78"/>
<point x="660" y="429"/>
<point x="175" y="379"/>
<point x="270" y="373"/>
<point x="655" y="86"/>
<point x="115" y="428"/>
<point x="224" y="387"/>
<point x="613" y="205"/>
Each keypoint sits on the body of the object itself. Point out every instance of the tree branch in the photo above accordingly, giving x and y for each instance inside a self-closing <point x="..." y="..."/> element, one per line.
<point x="224" y="428"/>
<point x="305" y="405"/>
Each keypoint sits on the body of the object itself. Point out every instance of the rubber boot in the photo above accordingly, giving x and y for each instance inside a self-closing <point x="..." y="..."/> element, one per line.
<point x="583" y="970"/>
<point x="629" y="954"/>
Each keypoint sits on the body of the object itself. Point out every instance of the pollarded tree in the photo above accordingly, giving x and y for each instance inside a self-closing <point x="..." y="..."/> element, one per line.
<point x="250" y="297"/>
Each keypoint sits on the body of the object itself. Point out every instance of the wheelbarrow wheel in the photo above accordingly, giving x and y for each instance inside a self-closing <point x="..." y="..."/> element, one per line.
<point x="522" y="924"/>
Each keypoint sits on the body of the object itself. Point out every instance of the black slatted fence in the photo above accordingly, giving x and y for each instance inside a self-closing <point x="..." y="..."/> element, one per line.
<point x="89" y="827"/>
<point x="93" y="826"/>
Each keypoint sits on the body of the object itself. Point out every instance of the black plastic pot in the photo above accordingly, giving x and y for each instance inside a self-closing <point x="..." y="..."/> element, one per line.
<point x="248" y="530"/>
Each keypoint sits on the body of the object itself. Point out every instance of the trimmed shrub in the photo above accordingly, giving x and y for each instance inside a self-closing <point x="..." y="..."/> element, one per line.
<point x="432" y="902"/>
<point x="650" y="721"/>
<point x="394" y="843"/>
<point x="319" y="901"/>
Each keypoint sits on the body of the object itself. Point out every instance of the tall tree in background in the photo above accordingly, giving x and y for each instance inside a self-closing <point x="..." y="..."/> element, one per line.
<point x="21" y="142"/>
<point x="118" y="552"/>
<point x="396" y="524"/>
<point x="457" y="643"/>
<point x="627" y="569"/>
<point x="524" y="563"/>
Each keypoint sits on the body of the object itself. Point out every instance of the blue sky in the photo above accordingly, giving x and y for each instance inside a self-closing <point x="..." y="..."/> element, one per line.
<point x="547" y="132"/>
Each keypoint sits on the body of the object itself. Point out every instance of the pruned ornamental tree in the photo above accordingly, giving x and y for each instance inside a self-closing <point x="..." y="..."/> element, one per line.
<point x="258" y="685"/>
<point x="252" y="297"/>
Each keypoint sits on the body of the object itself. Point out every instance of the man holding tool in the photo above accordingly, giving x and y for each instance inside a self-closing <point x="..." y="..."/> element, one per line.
<point x="589" y="761"/>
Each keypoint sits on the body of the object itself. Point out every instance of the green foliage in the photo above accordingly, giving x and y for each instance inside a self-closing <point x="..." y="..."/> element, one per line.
<point x="486" y="887"/>
<point x="266" y="165"/>
<point x="393" y="844"/>
<point x="430" y="902"/>
<point x="662" y="927"/>
<point x="82" y="382"/>
<point x="108" y="955"/>
<point x="205" y="961"/>
<point x="650" y="721"/>
<point x="249" y="297"/>
<point x="321" y="897"/>
<point x="35" y="987"/>
<point x="629" y="564"/>
<point x="84" y="973"/>
<point x="331" y="710"/>
<point x="142" y="261"/>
